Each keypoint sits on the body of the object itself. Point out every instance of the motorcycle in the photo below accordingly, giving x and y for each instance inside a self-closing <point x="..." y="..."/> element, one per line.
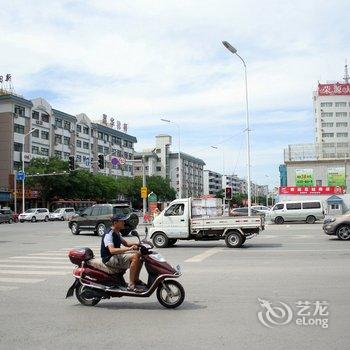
<point x="95" y="281"/>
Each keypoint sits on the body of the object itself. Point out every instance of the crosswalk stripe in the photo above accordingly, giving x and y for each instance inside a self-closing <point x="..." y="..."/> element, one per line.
<point x="68" y="267"/>
<point x="36" y="261"/>
<point x="20" y="280"/>
<point x="38" y="257"/>
<point x="7" y="288"/>
<point x="23" y="272"/>
<point x="48" y="254"/>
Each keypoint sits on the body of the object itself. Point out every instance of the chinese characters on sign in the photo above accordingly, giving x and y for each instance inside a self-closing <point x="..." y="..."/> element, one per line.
<point x="333" y="89"/>
<point x="304" y="177"/>
<point x="312" y="190"/>
<point x="336" y="177"/>
<point x="113" y="123"/>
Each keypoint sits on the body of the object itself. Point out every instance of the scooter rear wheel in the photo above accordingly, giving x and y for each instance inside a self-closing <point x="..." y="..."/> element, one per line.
<point x="83" y="298"/>
<point x="170" y="294"/>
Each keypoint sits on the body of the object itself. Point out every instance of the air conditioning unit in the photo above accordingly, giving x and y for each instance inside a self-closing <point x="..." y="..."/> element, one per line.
<point x="77" y="134"/>
<point x="15" y="115"/>
<point x="39" y="122"/>
<point x="55" y="127"/>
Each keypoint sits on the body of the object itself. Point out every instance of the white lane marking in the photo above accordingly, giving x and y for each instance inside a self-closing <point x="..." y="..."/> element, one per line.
<point x="7" y="288"/>
<point x="36" y="261"/>
<point x="38" y="257"/>
<point x="286" y="250"/>
<point x="68" y="267"/>
<point x="268" y="236"/>
<point x="287" y="226"/>
<point x="20" y="280"/>
<point x="301" y="236"/>
<point x="23" y="272"/>
<point x="206" y="254"/>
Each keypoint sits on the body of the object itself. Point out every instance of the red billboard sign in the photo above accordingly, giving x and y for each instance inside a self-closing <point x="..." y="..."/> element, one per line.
<point x="333" y="89"/>
<point x="311" y="190"/>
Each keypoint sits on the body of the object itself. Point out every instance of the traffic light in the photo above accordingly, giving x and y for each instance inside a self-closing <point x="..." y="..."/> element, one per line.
<point x="101" y="161"/>
<point x="71" y="163"/>
<point x="228" y="193"/>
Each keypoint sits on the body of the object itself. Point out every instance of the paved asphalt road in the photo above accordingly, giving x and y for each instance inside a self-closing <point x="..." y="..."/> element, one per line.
<point x="288" y="263"/>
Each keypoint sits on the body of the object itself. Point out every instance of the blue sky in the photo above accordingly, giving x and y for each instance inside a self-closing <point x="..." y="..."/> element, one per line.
<point x="141" y="61"/>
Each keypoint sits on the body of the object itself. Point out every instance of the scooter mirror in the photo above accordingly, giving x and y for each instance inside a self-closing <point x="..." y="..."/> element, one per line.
<point x="134" y="233"/>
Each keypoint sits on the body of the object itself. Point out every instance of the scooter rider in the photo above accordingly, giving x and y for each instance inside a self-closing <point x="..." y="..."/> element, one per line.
<point x="122" y="258"/>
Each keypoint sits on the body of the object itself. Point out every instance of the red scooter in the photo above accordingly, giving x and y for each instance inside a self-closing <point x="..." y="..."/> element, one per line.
<point x="95" y="281"/>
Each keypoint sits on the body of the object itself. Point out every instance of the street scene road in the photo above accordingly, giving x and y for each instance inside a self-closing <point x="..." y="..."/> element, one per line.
<point x="296" y="268"/>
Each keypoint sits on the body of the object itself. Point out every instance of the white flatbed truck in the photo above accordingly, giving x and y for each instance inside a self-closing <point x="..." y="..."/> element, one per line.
<point x="176" y="223"/>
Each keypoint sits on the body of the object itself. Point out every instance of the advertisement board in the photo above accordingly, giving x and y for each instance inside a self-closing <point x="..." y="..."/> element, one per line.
<point x="336" y="177"/>
<point x="304" y="177"/>
<point x="311" y="190"/>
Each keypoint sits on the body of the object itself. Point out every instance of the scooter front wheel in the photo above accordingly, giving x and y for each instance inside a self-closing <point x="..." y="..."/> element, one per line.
<point x="170" y="294"/>
<point x="82" y="294"/>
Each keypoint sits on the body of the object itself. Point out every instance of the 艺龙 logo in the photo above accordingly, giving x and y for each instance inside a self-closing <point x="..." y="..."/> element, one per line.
<point x="272" y="316"/>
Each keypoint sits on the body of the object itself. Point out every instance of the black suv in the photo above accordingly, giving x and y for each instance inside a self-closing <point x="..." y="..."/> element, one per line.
<point x="6" y="215"/>
<point x="98" y="217"/>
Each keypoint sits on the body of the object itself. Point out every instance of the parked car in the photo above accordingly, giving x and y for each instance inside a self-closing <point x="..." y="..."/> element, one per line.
<point x="307" y="211"/>
<point x="98" y="217"/>
<point x="338" y="226"/>
<point x="244" y="212"/>
<point x="261" y="208"/>
<point x="62" y="214"/>
<point x="7" y="215"/>
<point x="35" y="214"/>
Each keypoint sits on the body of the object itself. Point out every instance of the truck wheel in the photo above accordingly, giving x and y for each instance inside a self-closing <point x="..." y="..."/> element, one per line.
<point x="160" y="240"/>
<point x="343" y="232"/>
<point x="234" y="240"/>
<point x="310" y="219"/>
<point x="279" y="220"/>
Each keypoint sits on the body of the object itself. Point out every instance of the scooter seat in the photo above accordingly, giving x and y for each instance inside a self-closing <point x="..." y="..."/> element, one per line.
<point x="98" y="264"/>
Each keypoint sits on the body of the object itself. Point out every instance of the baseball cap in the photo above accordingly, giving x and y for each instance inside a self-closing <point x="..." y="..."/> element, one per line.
<point x="120" y="217"/>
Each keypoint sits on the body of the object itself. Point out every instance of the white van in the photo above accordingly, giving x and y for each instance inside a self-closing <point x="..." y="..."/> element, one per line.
<point x="308" y="211"/>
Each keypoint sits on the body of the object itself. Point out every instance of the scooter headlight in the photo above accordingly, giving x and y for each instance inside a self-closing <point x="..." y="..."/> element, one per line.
<point x="157" y="257"/>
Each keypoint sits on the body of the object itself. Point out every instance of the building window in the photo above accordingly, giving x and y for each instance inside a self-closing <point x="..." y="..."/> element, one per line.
<point x="58" y="154"/>
<point x="125" y="143"/>
<point x="44" y="151"/>
<point x="106" y="150"/>
<point x="45" y="118"/>
<point x="318" y="182"/>
<point x="327" y="125"/>
<point x="18" y="147"/>
<point x="35" y="115"/>
<point x="105" y="137"/>
<point x="334" y="206"/>
<point x="326" y="104"/>
<point x="343" y="144"/>
<point x="35" y="133"/>
<point x="86" y="130"/>
<point x="78" y="143"/>
<point x="78" y="128"/>
<point x="114" y="139"/>
<point x="20" y="111"/>
<point x="35" y="150"/>
<point x="66" y="140"/>
<point x="341" y="114"/>
<point x="66" y="155"/>
<point x="58" y="122"/>
<point x="327" y="115"/>
<point x="100" y="149"/>
<point x="86" y="145"/>
<point x="58" y="139"/>
<point x="341" y="125"/>
<point x="100" y="135"/>
<point x="119" y="141"/>
<point x="66" y="125"/>
<point x="340" y="104"/>
<point x="17" y="166"/>
<point x="19" y="129"/>
<point x="328" y="145"/>
<point x="78" y="158"/>
<point x="45" y="135"/>
<point x="328" y="134"/>
<point x="342" y="134"/>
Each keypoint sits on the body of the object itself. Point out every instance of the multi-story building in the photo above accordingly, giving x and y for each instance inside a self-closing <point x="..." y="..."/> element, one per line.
<point x="232" y="181"/>
<point x="332" y="114"/>
<point x="212" y="182"/>
<point x="56" y="134"/>
<point x="160" y="161"/>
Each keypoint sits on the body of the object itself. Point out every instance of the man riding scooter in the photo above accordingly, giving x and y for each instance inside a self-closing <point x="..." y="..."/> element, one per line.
<point x="121" y="258"/>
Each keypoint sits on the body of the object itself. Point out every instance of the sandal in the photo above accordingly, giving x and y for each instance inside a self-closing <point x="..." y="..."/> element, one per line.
<point x="134" y="289"/>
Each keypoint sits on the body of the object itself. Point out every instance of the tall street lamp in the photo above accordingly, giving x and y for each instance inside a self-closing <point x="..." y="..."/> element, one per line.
<point x="234" y="51"/>
<point x="179" y="158"/>
<point x="24" y="140"/>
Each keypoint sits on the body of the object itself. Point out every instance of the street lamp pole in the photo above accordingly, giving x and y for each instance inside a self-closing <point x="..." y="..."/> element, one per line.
<point x="234" y="51"/>
<point x="179" y="157"/>
<point x="24" y="140"/>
